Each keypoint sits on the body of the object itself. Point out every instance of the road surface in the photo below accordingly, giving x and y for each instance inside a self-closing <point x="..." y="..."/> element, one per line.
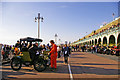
<point x="82" y="65"/>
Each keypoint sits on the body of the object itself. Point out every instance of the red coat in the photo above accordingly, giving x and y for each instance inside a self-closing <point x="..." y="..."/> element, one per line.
<point x="53" y="56"/>
<point x="53" y="50"/>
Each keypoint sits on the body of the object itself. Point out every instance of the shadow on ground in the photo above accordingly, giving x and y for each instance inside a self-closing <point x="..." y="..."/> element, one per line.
<point x="77" y="57"/>
<point x="93" y="70"/>
<point x="92" y="64"/>
<point x="77" y="54"/>
<point x="7" y="71"/>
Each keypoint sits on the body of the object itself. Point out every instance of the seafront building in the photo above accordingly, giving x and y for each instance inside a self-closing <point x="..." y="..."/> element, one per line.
<point x="107" y="35"/>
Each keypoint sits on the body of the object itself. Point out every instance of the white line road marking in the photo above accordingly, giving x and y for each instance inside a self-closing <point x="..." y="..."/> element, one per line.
<point x="71" y="77"/>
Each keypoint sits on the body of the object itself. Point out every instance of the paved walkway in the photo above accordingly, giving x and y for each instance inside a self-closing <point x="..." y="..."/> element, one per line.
<point x="113" y="57"/>
<point x="82" y="65"/>
<point x="87" y="65"/>
<point x="27" y="72"/>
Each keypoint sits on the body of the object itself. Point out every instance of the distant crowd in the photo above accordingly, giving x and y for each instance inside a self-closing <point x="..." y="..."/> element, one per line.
<point x="11" y="50"/>
<point x="113" y="50"/>
<point x="8" y="50"/>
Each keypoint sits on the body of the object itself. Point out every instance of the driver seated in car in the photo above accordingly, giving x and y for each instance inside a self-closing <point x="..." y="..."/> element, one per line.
<point x="33" y="50"/>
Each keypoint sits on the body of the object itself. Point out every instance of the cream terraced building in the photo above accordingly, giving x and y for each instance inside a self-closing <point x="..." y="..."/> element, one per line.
<point x="108" y="35"/>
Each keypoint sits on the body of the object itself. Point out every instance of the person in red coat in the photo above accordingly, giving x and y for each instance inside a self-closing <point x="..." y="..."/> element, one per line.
<point x="53" y="53"/>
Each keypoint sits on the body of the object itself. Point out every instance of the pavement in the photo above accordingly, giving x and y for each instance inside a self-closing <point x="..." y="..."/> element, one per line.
<point x="86" y="65"/>
<point x="113" y="57"/>
<point x="82" y="66"/>
<point x="27" y="72"/>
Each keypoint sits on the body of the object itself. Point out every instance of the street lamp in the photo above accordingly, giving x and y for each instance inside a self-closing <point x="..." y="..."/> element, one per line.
<point x="56" y="38"/>
<point x="59" y="41"/>
<point x="38" y="18"/>
<point x="113" y="16"/>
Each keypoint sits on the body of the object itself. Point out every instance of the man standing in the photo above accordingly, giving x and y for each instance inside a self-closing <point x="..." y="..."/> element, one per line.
<point x="53" y="53"/>
<point x="17" y="44"/>
<point x="66" y="53"/>
<point x="59" y="51"/>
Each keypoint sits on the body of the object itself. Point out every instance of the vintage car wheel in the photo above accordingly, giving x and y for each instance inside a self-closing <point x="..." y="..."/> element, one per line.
<point x="39" y="65"/>
<point x="16" y="64"/>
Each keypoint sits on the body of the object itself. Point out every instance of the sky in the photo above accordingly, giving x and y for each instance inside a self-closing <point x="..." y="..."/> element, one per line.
<point x="59" y="0"/>
<point x="69" y="20"/>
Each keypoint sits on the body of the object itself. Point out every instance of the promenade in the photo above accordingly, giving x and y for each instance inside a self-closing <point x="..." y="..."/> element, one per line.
<point x="82" y="65"/>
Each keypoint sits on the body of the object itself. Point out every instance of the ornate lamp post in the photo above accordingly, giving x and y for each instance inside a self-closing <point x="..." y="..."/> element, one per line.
<point x="38" y="18"/>
<point x="59" y="41"/>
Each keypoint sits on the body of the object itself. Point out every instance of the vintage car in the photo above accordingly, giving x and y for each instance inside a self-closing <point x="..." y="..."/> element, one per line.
<point x="40" y="62"/>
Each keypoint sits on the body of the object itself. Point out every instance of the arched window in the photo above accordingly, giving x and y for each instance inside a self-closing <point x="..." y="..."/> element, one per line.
<point x="112" y="40"/>
<point x="95" y="41"/>
<point x="99" y="41"/>
<point x="118" y="39"/>
<point x="92" y="42"/>
<point x="105" y="41"/>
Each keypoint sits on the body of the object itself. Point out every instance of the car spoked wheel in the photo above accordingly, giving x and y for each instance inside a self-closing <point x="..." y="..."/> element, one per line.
<point x="39" y="65"/>
<point x="16" y="64"/>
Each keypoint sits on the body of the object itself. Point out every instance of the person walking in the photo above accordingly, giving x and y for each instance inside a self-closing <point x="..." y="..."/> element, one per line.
<point x="66" y="53"/>
<point x="79" y="48"/>
<point x="12" y="50"/>
<point x="84" y="48"/>
<point x="76" y="47"/>
<point x="53" y="55"/>
<point x="92" y="49"/>
<point x="59" y="51"/>
<point x="3" y="53"/>
<point x="7" y="52"/>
